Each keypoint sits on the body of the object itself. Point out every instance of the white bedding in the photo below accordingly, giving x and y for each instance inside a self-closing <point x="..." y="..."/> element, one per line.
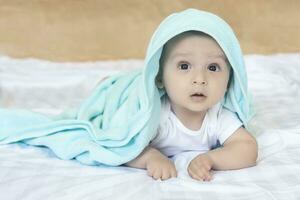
<point x="48" y="87"/>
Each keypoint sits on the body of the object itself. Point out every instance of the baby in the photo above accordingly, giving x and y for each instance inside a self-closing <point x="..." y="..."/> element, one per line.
<point x="195" y="74"/>
<point x="187" y="108"/>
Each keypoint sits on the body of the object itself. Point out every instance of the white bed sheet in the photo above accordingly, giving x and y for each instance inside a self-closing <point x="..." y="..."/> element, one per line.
<point x="48" y="87"/>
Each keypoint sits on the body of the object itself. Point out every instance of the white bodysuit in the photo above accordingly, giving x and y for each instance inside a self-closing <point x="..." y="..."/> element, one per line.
<point x="181" y="144"/>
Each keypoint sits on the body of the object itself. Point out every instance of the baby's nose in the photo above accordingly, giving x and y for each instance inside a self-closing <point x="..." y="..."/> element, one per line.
<point x="200" y="82"/>
<point x="203" y="82"/>
<point x="199" y="78"/>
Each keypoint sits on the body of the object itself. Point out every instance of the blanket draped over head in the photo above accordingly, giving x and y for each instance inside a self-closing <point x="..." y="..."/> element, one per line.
<point x="121" y="116"/>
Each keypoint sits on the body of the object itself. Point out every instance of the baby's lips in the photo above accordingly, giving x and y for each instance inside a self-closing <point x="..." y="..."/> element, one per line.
<point x="198" y="94"/>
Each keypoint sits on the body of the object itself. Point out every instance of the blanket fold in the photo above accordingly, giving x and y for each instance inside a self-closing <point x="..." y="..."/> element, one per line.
<point x="121" y="116"/>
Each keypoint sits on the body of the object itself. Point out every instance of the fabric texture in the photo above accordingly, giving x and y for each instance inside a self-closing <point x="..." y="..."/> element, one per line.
<point x="119" y="119"/>
<point x="173" y="137"/>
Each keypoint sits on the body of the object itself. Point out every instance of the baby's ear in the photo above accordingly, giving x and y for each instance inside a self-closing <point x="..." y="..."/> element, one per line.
<point x="228" y="86"/>
<point x="230" y="79"/>
<point x="159" y="82"/>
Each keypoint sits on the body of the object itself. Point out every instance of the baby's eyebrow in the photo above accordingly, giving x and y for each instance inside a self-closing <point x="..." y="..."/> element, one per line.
<point x="219" y="56"/>
<point x="180" y="55"/>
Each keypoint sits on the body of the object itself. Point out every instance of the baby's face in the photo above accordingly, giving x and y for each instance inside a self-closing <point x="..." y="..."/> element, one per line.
<point x="195" y="73"/>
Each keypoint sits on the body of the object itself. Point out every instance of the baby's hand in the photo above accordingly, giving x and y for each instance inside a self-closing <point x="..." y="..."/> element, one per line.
<point x="160" y="167"/>
<point x="199" y="168"/>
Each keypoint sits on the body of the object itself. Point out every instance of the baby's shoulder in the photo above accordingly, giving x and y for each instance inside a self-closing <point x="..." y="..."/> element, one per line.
<point x="219" y="115"/>
<point x="226" y="114"/>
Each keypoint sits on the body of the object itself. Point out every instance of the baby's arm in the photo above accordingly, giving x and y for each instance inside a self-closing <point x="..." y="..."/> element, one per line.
<point x="157" y="164"/>
<point x="238" y="151"/>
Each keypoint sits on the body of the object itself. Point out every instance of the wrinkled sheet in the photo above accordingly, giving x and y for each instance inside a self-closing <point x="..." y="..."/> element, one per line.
<point x="34" y="173"/>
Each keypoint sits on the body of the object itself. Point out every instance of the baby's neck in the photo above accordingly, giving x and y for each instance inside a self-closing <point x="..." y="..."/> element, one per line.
<point x="191" y="120"/>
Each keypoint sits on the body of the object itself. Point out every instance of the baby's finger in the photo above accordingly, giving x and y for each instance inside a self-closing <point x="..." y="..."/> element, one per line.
<point x="150" y="172"/>
<point x="156" y="174"/>
<point x="207" y="175"/>
<point x="166" y="174"/>
<point x="195" y="175"/>
<point x="173" y="173"/>
<point x="193" y="168"/>
<point x="204" y="174"/>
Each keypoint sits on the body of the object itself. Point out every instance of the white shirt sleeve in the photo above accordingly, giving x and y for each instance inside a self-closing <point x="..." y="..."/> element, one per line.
<point x="228" y="123"/>
<point x="182" y="161"/>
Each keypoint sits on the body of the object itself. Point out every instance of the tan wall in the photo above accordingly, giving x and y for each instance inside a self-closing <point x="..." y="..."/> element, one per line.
<point x="81" y="30"/>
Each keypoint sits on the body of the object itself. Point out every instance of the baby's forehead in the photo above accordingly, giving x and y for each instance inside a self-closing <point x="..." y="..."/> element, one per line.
<point x="171" y="47"/>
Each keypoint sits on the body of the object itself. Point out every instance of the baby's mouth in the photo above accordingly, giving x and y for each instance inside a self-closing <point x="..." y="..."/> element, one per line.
<point x="198" y="95"/>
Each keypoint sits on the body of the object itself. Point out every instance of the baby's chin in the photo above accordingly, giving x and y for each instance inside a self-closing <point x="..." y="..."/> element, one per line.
<point x="197" y="109"/>
<point x="199" y="106"/>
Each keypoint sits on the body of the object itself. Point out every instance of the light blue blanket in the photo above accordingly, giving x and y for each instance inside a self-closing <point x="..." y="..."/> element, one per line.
<point x="118" y="120"/>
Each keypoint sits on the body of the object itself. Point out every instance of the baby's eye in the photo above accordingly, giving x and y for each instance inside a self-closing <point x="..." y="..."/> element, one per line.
<point x="214" y="68"/>
<point x="183" y="66"/>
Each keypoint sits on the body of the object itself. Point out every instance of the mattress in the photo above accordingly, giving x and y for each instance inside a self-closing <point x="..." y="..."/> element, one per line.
<point x="49" y="87"/>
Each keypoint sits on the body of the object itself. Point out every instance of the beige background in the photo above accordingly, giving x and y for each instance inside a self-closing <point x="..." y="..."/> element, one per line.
<point x="83" y="30"/>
